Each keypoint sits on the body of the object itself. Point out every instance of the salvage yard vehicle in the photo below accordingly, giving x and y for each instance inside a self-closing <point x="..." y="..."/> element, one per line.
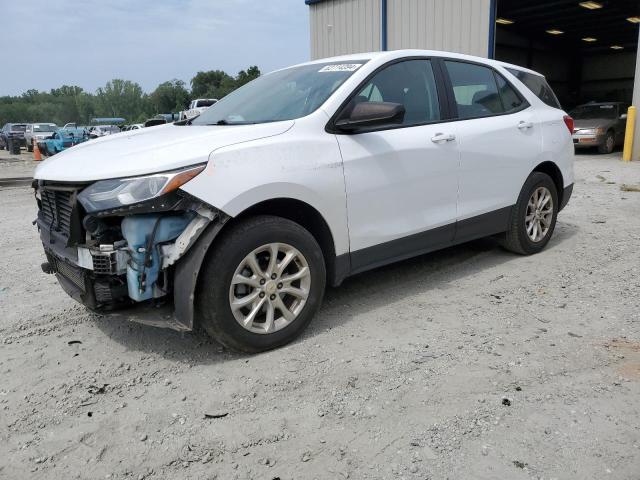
<point x="62" y="139"/>
<point x="600" y="125"/>
<point x="101" y="130"/>
<point x="196" y="107"/>
<point x="237" y="219"/>
<point x="37" y="132"/>
<point x="12" y="132"/>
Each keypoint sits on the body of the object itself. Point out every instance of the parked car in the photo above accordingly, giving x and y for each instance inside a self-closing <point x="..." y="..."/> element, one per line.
<point x="196" y="107"/>
<point x="600" y="125"/>
<point x="36" y="132"/>
<point x="62" y="139"/>
<point x="237" y="220"/>
<point x="14" y="132"/>
<point x="101" y="130"/>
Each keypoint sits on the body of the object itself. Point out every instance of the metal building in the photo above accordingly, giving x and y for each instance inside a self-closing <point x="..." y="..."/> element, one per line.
<point x="588" y="50"/>
<point x="350" y="26"/>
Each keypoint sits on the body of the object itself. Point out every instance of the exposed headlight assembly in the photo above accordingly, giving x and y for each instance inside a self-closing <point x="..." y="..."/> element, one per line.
<point x="119" y="192"/>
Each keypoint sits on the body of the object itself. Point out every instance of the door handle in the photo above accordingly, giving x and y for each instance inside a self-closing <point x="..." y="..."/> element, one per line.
<point x="525" y="125"/>
<point x="443" y="137"/>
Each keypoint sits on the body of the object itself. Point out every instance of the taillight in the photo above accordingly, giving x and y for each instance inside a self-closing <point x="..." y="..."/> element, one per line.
<point x="568" y="121"/>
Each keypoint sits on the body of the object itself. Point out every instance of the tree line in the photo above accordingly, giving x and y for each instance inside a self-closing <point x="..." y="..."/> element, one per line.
<point x="118" y="98"/>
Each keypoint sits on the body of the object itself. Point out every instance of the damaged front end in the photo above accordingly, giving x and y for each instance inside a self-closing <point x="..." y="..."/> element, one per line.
<point x="121" y="243"/>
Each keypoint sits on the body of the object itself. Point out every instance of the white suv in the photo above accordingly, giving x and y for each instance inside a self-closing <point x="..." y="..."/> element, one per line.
<point x="237" y="220"/>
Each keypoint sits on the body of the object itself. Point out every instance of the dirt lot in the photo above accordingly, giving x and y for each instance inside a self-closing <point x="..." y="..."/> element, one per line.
<point x="470" y="363"/>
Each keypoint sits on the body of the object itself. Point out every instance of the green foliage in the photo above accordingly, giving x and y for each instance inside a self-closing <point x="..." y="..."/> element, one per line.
<point x="118" y="98"/>
<point x="171" y="96"/>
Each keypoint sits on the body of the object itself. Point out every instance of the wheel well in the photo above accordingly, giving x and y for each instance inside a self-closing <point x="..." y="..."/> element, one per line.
<point x="306" y="216"/>
<point x="554" y="172"/>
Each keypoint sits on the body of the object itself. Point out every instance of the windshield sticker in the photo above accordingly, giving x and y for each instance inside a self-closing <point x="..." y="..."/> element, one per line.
<point x="341" y="67"/>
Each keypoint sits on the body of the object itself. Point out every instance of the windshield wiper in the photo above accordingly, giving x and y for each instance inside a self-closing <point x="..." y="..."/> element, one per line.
<point x="220" y="122"/>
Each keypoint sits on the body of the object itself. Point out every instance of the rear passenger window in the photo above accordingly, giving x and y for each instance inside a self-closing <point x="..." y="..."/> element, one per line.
<point x="475" y="90"/>
<point x="511" y="100"/>
<point x="538" y="85"/>
<point x="410" y="83"/>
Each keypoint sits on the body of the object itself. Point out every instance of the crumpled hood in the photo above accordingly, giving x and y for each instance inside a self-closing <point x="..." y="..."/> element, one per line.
<point x="148" y="150"/>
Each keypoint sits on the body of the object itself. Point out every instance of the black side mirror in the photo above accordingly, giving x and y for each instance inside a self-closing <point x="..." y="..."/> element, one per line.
<point x="371" y="114"/>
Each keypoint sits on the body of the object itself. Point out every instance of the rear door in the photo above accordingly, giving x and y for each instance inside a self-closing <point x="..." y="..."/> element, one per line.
<point x="499" y="139"/>
<point x="401" y="181"/>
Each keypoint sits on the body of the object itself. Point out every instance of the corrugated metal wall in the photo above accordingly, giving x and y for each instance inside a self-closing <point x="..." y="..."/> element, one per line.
<point x="454" y="25"/>
<point x="344" y="26"/>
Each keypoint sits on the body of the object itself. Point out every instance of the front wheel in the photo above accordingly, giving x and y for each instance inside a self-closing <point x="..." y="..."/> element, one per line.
<point x="261" y="285"/>
<point x="609" y="143"/>
<point x="533" y="218"/>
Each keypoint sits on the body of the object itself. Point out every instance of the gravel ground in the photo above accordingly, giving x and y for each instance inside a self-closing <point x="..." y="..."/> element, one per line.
<point x="469" y="363"/>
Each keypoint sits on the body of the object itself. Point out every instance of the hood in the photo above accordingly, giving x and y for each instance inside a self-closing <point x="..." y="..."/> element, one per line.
<point x="148" y="150"/>
<point x="592" y="123"/>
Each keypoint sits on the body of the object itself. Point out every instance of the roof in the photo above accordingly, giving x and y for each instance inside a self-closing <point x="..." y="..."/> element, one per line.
<point x="311" y="2"/>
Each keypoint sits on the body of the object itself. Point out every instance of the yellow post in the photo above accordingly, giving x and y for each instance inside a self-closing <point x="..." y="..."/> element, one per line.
<point x="628" y="134"/>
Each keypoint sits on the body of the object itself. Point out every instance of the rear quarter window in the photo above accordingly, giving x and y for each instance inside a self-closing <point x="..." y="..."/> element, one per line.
<point x="538" y="86"/>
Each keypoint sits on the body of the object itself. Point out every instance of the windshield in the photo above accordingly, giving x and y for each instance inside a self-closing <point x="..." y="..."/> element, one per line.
<point x="44" y="127"/>
<point x="283" y="95"/>
<point x="18" y="128"/>
<point x="592" y="112"/>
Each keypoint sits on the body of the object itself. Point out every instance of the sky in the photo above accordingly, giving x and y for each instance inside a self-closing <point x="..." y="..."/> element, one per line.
<point x="89" y="42"/>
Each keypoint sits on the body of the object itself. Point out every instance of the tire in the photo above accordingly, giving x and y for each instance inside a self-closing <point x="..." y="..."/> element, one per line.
<point x="608" y="144"/>
<point x="517" y="239"/>
<point x="229" y="260"/>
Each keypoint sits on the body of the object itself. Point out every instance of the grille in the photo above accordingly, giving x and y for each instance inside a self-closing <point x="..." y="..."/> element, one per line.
<point x="57" y="207"/>
<point x="103" y="292"/>
<point x="71" y="273"/>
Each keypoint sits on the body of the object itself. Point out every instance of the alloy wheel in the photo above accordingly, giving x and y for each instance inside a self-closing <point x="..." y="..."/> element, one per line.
<point x="270" y="288"/>
<point x="539" y="214"/>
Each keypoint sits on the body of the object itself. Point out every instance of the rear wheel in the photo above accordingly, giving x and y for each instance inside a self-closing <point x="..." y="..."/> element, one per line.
<point x="261" y="285"/>
<point x="609" y="143"/>
<point x="533" y="218"/>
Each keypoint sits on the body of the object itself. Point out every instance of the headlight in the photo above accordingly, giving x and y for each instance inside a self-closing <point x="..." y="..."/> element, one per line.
<point x="109" y="194"/>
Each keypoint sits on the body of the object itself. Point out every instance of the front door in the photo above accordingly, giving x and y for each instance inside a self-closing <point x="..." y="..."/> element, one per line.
<point x="401" y="181"/>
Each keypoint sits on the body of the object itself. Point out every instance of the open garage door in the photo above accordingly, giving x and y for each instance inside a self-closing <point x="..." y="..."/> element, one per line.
<point x="587" y="50"/>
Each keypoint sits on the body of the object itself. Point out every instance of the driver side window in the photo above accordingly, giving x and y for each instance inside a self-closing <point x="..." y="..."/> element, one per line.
<point x="410" y="83"/>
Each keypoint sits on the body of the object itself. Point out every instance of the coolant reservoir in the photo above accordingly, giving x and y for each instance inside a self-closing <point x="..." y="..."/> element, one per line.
<point x="140" y="231"/>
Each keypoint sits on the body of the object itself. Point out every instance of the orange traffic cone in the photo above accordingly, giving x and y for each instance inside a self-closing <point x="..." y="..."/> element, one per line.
<point x="36" y="152"/>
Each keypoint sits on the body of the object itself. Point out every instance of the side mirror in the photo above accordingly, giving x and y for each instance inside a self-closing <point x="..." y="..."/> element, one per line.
<point x="371" y="114"/>
<point x="623" y="116"/>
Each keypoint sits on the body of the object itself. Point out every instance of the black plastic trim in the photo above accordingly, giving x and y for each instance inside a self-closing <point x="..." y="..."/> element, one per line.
<point x="402" y="248"/>
<point x="185" y="279"/>
<point x="483" y="225"/>
<point x="566" y="195"/>
<point x="480" y="226"/>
